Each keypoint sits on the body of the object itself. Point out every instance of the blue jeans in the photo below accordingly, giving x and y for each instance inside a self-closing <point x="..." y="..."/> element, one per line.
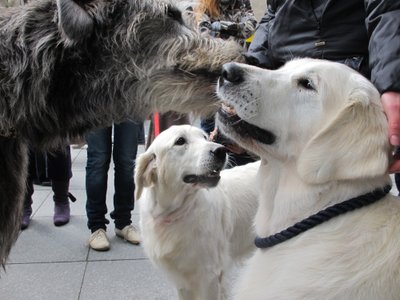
<point x="99" y="151"/>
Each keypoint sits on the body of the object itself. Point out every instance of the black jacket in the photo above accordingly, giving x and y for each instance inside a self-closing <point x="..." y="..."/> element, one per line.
<point x="364" y="34"/>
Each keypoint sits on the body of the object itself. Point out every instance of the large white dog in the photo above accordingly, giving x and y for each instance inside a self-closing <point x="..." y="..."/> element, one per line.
<point x="322" y="135"/>
<point x="195" y="221"/>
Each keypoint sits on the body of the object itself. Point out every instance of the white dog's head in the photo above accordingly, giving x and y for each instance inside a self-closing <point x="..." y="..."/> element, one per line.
<point x="180" y="155"/>
<point x="323" y="115"/>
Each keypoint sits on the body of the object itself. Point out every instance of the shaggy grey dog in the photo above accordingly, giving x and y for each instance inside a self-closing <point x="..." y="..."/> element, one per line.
<point x="67" y="67"/>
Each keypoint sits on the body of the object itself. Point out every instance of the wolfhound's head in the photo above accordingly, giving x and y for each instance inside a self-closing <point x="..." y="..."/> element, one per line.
<point x="85" y="64"/>
<point x="150" y="28"/>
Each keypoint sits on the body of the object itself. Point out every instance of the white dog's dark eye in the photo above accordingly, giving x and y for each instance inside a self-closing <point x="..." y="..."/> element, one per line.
<point x="306" y="83"/>
<point x="180" y="141"/>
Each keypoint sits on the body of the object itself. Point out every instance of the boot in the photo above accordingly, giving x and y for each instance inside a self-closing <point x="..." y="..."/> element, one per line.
<point x="27" y="210"/>
<point x="26" y="217"/>
<point x="61" y="198"/>
<point x="61" y="213"/>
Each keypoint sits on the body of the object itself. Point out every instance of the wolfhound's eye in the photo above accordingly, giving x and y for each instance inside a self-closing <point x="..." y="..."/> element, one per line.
<point x="180" y="141"/>
<point x="306" y="83"/>
<point x="174" y="13"/>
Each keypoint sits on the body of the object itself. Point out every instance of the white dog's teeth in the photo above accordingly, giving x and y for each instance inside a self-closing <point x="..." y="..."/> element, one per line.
<point x="228" y="108"/>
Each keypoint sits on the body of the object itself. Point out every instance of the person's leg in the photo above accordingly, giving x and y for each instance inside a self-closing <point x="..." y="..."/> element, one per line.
<point x="397" y="182"/>
<point x="41" y="169"/>
<point x="141" y="134"/>
<point x="397" y="175"/>
<point x="98" y="162"/>
<point x="60" y="173"/>
<point x="208" y="124"/>
<point x="59" y="164"/>
<point x="124" y="155"/>
<point x="27" y="208"/>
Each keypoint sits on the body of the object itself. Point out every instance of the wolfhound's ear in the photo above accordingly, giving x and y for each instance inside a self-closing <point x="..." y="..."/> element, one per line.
<point x="74" y="21"/>
<point x="353" y="146"/>
<point x="145" y="172"/>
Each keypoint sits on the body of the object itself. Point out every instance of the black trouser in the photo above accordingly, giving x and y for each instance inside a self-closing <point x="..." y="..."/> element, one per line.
<point x="58" y="167"/>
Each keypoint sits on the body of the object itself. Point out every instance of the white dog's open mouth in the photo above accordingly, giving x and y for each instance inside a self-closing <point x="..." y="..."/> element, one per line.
<point x="228" y="116"/>
<point x="209" y="180"/>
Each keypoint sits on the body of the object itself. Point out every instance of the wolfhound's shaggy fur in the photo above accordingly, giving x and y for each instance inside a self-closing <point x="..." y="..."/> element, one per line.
<point x="67" y="67"/>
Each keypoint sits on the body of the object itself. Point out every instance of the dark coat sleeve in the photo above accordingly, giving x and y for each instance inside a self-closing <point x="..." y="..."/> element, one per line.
<point x="383" y="25"/>
<point x="257" y="52"/>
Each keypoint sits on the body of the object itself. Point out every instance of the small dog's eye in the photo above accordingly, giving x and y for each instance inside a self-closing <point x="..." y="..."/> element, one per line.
<point x="306" y="83"/>
<point x="180" y="141"/>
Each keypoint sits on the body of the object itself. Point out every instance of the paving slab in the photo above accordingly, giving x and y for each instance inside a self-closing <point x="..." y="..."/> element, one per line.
<point x="44" y="242"/>
<point x="43" y="281"/>
<point x="130" y="279"/>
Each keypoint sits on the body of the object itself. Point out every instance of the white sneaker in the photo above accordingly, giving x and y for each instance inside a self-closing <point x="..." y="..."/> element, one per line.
<point x="129" y="233"/>
<point x="98" y="240"/>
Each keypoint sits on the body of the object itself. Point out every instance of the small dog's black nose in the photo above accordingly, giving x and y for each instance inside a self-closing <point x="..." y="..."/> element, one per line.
<point x="233" y="73"/>
<point x="219" y="153"/>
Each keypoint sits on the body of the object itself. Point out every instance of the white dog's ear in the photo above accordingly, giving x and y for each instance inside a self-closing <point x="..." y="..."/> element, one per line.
<point x="145" y="172"/>
<point x="353" y="145"/>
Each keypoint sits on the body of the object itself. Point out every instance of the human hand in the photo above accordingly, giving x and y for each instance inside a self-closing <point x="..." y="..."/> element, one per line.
<point x="391" y="106"/>
<point x="216" y="26"/>
<point x="213" y="135"/>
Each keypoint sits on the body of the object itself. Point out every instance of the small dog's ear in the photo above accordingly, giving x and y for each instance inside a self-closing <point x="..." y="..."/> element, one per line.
<point x="354" y="145"/>
<point x="74" y="21"/>
<point x="145" y="172"/>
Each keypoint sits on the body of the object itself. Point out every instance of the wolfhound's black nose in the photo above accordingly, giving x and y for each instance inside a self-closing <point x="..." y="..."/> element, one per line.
<point x="232" y="72"/>
<point x="219" y="153"/>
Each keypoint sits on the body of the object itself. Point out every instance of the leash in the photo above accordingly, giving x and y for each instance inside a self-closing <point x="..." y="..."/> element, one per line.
<point x="322" y="216"/>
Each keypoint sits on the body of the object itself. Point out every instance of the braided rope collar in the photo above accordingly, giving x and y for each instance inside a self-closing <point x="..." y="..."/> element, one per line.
<point x="322" y="216"/>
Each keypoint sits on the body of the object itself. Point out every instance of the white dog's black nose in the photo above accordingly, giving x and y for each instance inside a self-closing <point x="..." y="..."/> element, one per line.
<point x="233" y="73"/>
<point x="219" y="153"/>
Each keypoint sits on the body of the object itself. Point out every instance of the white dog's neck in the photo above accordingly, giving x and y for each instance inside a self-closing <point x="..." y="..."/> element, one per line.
<point x="169" y="207"/>
<point x="282" y="206"/>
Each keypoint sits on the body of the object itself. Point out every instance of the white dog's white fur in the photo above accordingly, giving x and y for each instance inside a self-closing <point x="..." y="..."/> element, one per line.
<point x="330" y="145"/>
<point x="194" y="233"/>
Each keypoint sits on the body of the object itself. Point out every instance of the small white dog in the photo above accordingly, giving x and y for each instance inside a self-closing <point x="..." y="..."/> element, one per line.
<point x="321" y="132"/>
<point x="195" y="221"/>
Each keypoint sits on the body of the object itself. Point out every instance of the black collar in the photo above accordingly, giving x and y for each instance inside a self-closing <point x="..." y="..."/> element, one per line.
<point x="322" y="216"/>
